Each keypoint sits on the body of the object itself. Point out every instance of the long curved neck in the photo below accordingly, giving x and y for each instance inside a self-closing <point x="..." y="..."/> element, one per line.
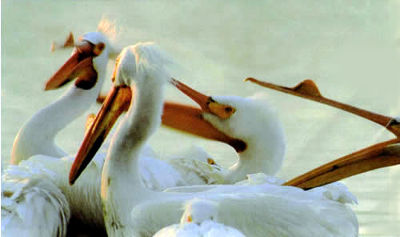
<point x="38" y="134"/>
<point x="121" y="188"/>
<point x="261" y="155"/>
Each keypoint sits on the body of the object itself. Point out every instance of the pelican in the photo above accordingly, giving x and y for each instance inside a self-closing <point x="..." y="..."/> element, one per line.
<point x="88" y="62"/>
<point x="199" y="219"/>
<point x="34" y="147"/>
<point x="132" y="209"/>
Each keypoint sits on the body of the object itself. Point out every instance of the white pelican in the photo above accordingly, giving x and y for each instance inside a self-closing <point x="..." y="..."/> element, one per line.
<point x="34" y="146"/>
<point x="257" y="133"/>
<point x="199" y="219"/>
<point x="140" y="71"/>
<point x="88" y="62"/>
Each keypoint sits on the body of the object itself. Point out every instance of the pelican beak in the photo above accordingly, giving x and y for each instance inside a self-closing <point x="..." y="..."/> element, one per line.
<point x="205" y="102"/>
<point x="309" y="90"/>
<point x="377" y="156"/>
<point x="117" y="101"/>
<point x="190" y="119"/>
<point x="79" y="65"/>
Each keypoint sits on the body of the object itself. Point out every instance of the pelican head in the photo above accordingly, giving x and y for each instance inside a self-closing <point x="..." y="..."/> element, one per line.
<point x="198" y="210"/>
<point x="88" y="60"/>
<point x="135" y="63"/>
<point x="258" y="134"/>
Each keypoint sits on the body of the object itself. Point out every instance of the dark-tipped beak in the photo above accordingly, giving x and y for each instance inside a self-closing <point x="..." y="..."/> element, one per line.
<point x="116" y="103"/>
<point x="190" y="119"/>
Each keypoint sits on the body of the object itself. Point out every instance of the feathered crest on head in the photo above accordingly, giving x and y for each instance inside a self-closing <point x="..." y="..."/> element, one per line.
<point x="109" y="29"/>
<point x="149" y="55"/>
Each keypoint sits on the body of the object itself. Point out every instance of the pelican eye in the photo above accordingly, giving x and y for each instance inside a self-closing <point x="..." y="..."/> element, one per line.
<point x="223" y="111"/>
<point x="98" y="48"/>
<point x="210" y="161"/>
<point x="91" y="50"/>
<point x="228" y="109"/>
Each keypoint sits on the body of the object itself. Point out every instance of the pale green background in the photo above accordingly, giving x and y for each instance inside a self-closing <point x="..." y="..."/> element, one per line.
<point x="350" y="48"/>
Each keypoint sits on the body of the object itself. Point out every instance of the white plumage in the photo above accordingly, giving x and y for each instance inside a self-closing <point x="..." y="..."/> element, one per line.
<point x="188" y="168"/>
<point x="31" y="204"/>
<point x="255" y="123"/>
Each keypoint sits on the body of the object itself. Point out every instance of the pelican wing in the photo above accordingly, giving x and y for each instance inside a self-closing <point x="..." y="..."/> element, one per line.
<point x="32" y="205"/>
<point x="279" y="211"/>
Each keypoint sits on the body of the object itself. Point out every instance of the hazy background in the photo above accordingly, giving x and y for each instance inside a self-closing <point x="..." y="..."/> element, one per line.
<point x="350" y="48"/>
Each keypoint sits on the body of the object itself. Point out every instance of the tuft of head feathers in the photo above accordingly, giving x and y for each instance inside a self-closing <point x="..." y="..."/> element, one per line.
<point x="108" y="28"/>
<point x="148" y="54"/>
<point x="141" y="60"/>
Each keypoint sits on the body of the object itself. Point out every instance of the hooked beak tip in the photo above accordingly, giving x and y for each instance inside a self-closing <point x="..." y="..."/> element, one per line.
<point x="47" y="88"/>
<point x="71" y="182"/>
<point x="72" y="177"/>
<point x="249" y="79"/>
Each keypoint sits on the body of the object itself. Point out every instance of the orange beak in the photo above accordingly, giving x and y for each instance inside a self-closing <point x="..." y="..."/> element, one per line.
<point x="116" y="103"/>
<point x="190" y="119"/>
<point x="79" y="65"/>
<point x="380" y="155"/>
<point x="308" y="89"/>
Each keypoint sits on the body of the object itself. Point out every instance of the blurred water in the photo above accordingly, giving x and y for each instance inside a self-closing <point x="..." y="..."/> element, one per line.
<point x="350" y="48"/>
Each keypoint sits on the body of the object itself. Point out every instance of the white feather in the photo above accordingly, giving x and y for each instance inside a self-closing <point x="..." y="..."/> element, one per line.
<point x="32" y="205"/>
